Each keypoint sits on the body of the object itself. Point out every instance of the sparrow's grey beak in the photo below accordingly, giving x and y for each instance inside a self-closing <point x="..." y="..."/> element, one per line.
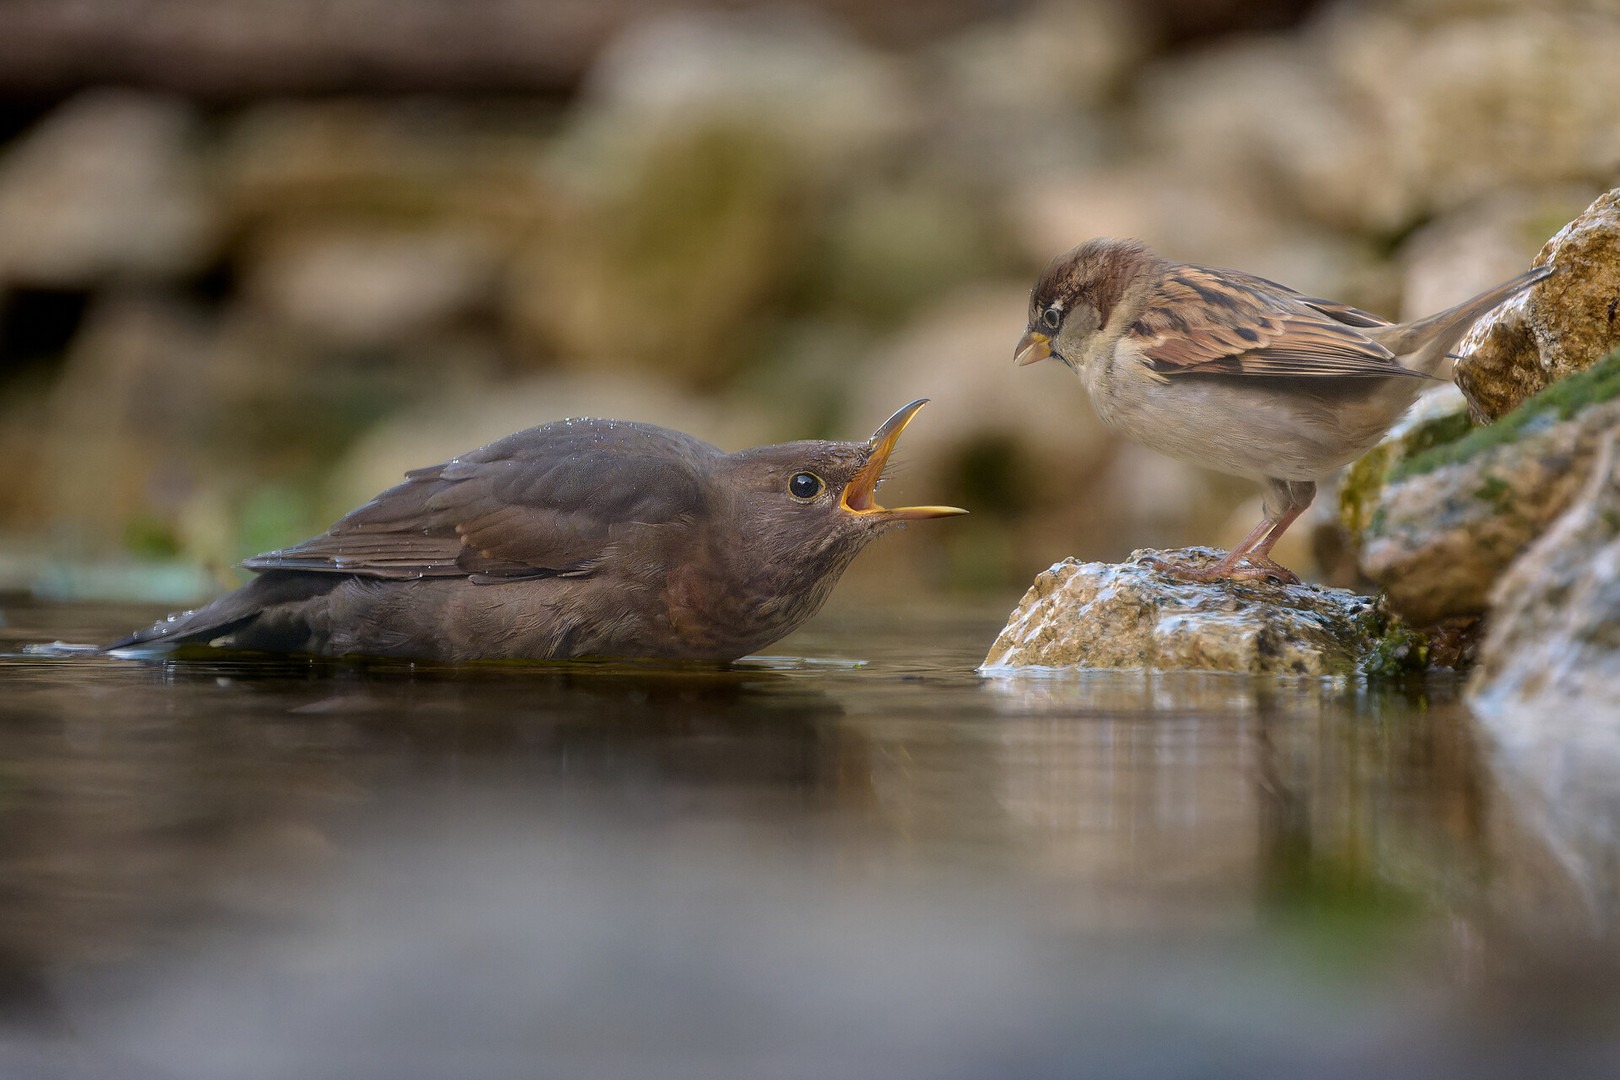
<point x="1033" y="347"/>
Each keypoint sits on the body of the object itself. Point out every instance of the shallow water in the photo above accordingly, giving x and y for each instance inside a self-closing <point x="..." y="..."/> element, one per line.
<point x="854" y="857"/>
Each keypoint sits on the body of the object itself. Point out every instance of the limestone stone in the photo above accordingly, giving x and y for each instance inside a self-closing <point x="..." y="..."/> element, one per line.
<point x="661" y="261"/>
<point x="102" y="187"/>
<point x="785" y="69"/>
<point x="1439" y="527"/>
<point x="1464" y="106"/>
<point x="1102" y="615"/>
<point x="1438" y="416"/>
<point x="1554" y="640"/>
<point x="1371" y="120"/>
<point x="359" y="161"/>
<point x="1547" y="688"/>
<point x="1562" y="326"/>
<point x="1026" y="96"/>
<point x="371" y="287"/>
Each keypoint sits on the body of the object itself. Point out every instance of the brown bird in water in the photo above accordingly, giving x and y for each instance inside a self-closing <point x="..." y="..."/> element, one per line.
<point x="579" y="538"/>
<point x="1238" y="374"/>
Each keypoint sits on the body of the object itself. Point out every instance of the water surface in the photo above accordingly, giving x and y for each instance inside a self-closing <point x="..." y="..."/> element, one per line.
<point x="853" y="857"/>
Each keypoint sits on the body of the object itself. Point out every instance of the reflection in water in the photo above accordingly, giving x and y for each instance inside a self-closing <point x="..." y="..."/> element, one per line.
<point x="1560" y="764"/>
<point x="875" y="863"/>
<point x="143" y="784"/>
<point x="1216" y="786"/>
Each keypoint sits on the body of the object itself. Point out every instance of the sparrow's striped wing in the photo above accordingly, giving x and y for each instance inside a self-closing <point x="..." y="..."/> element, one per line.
<point x="1206" y="321"/>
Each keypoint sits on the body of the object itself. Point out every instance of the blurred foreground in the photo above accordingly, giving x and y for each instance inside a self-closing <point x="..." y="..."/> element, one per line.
<point x="869" y="863"/>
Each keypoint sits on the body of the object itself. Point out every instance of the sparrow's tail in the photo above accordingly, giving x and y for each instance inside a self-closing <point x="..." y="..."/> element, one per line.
<point x="1425" y="345"/>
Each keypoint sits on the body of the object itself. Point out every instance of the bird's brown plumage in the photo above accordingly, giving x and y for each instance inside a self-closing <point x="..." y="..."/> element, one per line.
<point x="1229" y="323"/>
<point x="576" y="538"/>
<point x="543" y="502"/>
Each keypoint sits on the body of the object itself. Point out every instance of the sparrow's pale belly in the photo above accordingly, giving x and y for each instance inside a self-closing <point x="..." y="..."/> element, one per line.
<point x="1298" y="429"/>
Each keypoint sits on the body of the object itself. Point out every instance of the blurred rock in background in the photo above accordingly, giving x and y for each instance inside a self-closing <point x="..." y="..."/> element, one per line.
<point x="258" y="260"/>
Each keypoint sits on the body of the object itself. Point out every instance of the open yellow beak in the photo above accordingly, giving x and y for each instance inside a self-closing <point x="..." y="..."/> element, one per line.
<point x="860" y="494"/>
<point x="1033" y="347"/>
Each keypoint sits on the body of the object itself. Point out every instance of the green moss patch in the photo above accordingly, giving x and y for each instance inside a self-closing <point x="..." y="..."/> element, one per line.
<point x="1396" y="652"/>
<point x="1560" y="401"/>
<point x="1358" y="493"/>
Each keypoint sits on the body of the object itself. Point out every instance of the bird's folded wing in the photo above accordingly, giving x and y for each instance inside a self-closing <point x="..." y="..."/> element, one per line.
<point x="540" y="503"/>
<point x="1229" y="323"/>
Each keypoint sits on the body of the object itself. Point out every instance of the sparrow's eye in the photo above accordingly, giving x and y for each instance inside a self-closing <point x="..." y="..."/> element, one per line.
<point x="1052" y="317"/>
<point x="805" y="485"/>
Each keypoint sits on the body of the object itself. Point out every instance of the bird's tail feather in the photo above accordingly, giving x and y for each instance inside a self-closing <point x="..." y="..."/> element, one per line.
<point x="228" y="614"/>
<point x="1426" y="344"/>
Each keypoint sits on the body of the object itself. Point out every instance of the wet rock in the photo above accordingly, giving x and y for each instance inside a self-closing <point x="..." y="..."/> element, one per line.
<point x="1562" y="326"/>
<point x="1438" y="527"/>
<point x="102" y="187"/>
<point x="1100" y="615"/>
<point x="1554" y="638"/>
<point x="1438" y="416"/>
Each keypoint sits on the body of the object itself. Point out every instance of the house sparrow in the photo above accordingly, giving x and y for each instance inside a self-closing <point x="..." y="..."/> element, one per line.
<point x="1232" y="372"/>
<point x="598" y="538"/>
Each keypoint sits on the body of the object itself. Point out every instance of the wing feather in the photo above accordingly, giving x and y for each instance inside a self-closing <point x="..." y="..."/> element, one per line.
<point x="1209" y="322"/>
<point x="544" y="502"/>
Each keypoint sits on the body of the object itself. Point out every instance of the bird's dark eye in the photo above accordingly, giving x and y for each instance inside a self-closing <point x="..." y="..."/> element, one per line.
<point x="805" y="485"/>
<point x="1052" y="317"/>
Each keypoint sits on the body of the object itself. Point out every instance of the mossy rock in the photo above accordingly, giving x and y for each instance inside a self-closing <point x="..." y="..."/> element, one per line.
<point x="1557" y="403"/>
<point x="1422" y="431"/>
<point x="1439" y="510"/>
